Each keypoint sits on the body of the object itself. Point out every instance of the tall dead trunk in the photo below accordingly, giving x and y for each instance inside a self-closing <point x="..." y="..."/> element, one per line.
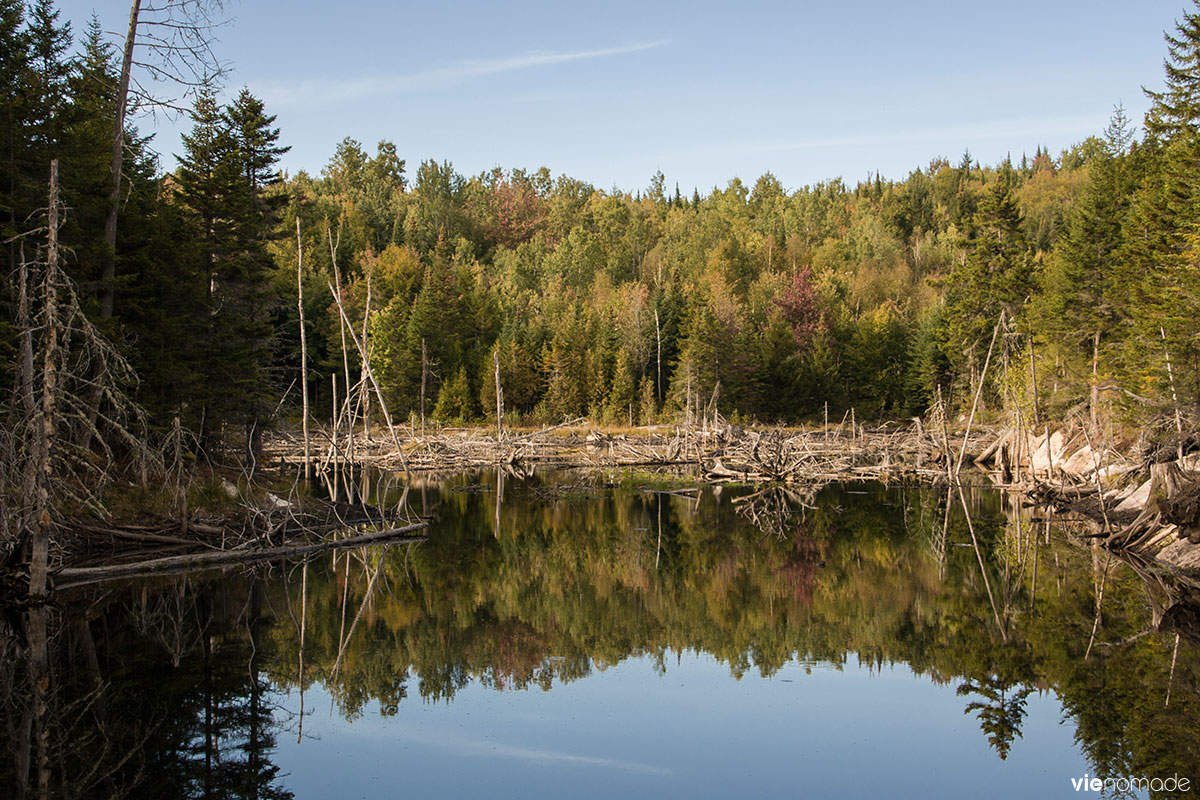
<point x="362" y="378"/>
<point x="342" y="324"/>
<point x="28" y="401"/>
<point x="1094" y="399"/>
<point x="303" y="347"/>
<point x="46" y="423"/>
<point x="1174" y="395"/>
<point x="424" y="375"/>
<point x="118" y="155"/>
<point x="1033" y="384"/>
<point x="499" y="396"/>
<point x="375" y="385"/>
<point x="658" y="338"/>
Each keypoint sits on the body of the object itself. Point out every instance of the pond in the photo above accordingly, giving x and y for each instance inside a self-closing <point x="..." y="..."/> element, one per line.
<point x="598" y="633"/>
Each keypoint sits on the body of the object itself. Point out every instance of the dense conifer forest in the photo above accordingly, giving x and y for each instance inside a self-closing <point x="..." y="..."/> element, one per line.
<point x="1077" y="268"/>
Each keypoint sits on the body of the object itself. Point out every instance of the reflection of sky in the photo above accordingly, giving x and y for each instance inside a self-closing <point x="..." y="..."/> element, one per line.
<point x="694" y="731"/>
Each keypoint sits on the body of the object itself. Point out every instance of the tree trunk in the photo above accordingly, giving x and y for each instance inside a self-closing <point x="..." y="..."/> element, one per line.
<point x="362" y="378"/>
<point x="375" y="384"/>
<point x="118" y="154"/>
<point x="1094" y="400"/>
<point x="45" y="434"/>
<point x="499" y="396"/>
<point x="424" y="374"/>
<point x="658" y="338"/>
<point x="303" y="347"/>
<point x="342" y="324"/>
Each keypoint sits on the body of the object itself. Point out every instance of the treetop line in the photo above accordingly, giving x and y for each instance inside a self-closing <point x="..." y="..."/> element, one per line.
<point x="571" y="301"/>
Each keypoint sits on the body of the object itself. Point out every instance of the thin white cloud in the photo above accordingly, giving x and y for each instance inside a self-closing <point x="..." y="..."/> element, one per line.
<point x="485" y="748"/>
<point x="325" y="92"/>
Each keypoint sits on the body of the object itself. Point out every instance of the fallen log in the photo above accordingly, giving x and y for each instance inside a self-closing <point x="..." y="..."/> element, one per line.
<point x="78" y="576"/>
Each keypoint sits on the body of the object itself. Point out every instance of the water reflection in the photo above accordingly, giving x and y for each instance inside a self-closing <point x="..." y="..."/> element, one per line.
<point x="173" y="688"/>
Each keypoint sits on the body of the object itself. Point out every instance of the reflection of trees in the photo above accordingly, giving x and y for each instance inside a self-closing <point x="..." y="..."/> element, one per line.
<point x="152" y="698"/>
<point x="1000" y="711"/>
<point x="576" y="581"/>
<point x="772" y="509"/>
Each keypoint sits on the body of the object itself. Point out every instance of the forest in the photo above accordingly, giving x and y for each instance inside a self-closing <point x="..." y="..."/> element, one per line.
<point x="162" y="329"/>
<point x="174" y="305"/>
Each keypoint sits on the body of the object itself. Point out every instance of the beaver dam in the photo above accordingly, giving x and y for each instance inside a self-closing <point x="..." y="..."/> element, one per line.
<point x="1141" y="499"/>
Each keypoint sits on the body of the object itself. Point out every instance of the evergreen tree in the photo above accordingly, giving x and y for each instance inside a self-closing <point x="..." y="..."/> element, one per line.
<point x="1077" y="309"/>
<point x="1175" y="111"/>
<point x="14" y="61"/>
<point x="47" y="80"/>
<point x="997" y="275"/>
<point x="454" y="402"/>
<point x="87" y="153"/>
<point x="621" y="393"/>
<point x="1158" y="272"/>
<point x="647" y="405"/>
<point x="219" y="179"/>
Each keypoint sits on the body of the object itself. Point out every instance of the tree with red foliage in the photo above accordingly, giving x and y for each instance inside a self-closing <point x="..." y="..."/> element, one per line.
<point x="801" y="308"/>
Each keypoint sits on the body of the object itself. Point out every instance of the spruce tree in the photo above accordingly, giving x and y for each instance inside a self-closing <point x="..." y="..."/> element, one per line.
<point x="14" y="60"/>
<point x="87" y="152"/>
<point x="1158" y="267"/>
<point x="220" y="186"/>
<point x="1175" y="110"/>
<point x="997" y="275"/>
<point x="47" y="79"/>
<point x="1080" y="305"/>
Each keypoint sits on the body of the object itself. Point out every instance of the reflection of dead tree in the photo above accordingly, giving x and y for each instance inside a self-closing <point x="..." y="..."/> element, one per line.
<point x="76" y="576"/>
<point x="60" y="736"/>
<point x="372" y="575"/>
<point x="771" y="509"/>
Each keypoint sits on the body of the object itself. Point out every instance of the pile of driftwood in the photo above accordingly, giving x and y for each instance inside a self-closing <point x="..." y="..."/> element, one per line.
<point x="822" y="456"/>
<point x="718" y="451"/>
<point x="1142" y="498"/>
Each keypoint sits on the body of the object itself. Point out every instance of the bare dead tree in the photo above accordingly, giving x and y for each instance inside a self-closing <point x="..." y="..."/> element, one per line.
<point x="170" y="42"/>
<point x="63" y="363"/>
<point x="499" y="396"/>
<point x="303" y="346"/>
<point x="342" y="323"/>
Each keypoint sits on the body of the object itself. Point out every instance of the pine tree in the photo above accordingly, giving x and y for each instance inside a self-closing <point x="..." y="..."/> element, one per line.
<point x="87" y="153"/>
<point x="14" y="61"/>
<point x="647" y="405"/>
<point x="255" y="141"/>
<point x="997" y="275"/>
<point x="1175" y="111"/>
<point x="220" y="184"/>
<point x="620" y="394"/>
<point x="1158" y="269"/>
<point x="47" y="80"/>
<point x="454" y="402"/>
<point x="1079" y="307"/>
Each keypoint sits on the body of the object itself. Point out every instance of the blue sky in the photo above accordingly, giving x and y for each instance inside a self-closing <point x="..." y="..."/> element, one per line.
<point x="610" y="92"/>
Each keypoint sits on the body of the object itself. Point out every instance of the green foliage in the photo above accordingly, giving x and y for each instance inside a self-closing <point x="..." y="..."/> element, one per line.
<point x="454" y="403"/>
<point x="222" y="179"/>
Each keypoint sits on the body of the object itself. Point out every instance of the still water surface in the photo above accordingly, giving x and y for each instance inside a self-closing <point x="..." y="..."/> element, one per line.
<point x="585" y="635"/>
